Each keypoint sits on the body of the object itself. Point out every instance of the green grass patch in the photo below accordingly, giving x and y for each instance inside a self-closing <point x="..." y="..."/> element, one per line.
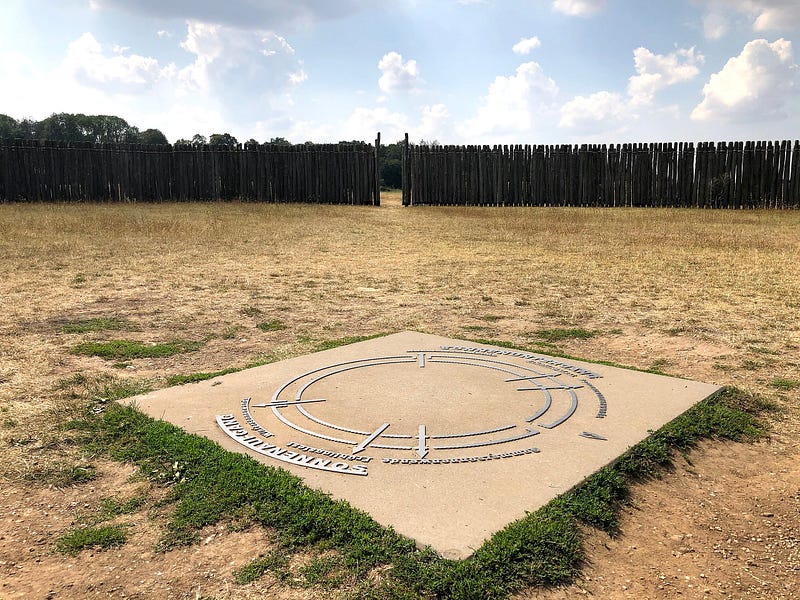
<point x="128" y="350"/>
<point x="97" y="538"/>
<point x="785" y="384"/>
<point x="272" y="325"/>
<point x="559" y="335"/>
<point x="330" y="344"/>
<point x="113" y="507"/>
<point x="97" y="324"/>
<point x="195" y="377"/>
<point x="275" y="562"/>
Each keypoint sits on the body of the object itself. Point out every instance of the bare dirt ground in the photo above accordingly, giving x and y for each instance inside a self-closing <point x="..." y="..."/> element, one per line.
<point x="712" y="296"/>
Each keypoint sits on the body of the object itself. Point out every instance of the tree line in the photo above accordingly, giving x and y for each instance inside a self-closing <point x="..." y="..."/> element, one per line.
<point x="68" y="127"/>
<point x="105" y="129"/>
<point x="109" y="129"/>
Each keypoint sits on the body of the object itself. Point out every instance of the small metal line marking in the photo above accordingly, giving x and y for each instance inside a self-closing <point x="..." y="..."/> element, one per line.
<point x="530" y="433"/>
<point x="593" y="436"/>
<point x="569" y="413"/>
<point x="470" y="433"/>
<point x="363" y="445"/>
<point x="285" y="403"/>
<point x="548" y="401"/>
<point x="288" y="423"/>
<point x="550" y="387"/>
<point x="421" y="360"/>
<point x="532" y="377"/>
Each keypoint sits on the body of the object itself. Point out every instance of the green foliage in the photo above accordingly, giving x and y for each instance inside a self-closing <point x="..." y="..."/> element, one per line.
<point x="96" y="324"/>
<point x="275" y="562"/>
<point x="195" y="377"/>
<point x="329" y="344"/>
<point x="84" y="538"/>
<point x="785" y="384"/>
<point x="113" y="507"/>
<point x="153" y="137"/>
<point x="210" y="484"/>
<point x="558" y="335"/>
<point x="9" y="128"/>
<point x="127" y="350"/>
<point x="223" y="139"/>
<point x="272" y="325"/>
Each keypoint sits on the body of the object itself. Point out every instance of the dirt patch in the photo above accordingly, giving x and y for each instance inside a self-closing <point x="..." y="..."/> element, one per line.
<point x="710" y="296"/>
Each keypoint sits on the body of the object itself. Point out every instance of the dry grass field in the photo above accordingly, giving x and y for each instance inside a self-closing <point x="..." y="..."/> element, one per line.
<point x="712" y="296"/>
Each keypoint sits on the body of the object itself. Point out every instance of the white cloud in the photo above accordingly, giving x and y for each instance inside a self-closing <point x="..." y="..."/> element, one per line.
<point x="756" y="85"/>
<point x="364" y="122"/>
<point x="715" y="25"/>
<point x="398" y="76"/>
<point x="579" y="8"/>
<point x="227" y="60"/>
<point x="764" y="15"/>
<point x="512" y="103"/>
<point x="164" y="34"/>
<point x="657" y="71"/>
<point x="433" y="123"/>
<point x="525" y="45"/>
<point x="117" y="73"/>
<point x="586" y="112"/>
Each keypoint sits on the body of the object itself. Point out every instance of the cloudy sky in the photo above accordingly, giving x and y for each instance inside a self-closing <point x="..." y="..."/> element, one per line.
<point x="458" y="71"/>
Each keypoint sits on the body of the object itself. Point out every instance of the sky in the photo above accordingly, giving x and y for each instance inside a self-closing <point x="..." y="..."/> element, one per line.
<point x="455" y="71"/>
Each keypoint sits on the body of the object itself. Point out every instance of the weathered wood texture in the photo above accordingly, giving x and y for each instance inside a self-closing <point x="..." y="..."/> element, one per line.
<point x="706" y="175"/>
<point x="84" y="172"/>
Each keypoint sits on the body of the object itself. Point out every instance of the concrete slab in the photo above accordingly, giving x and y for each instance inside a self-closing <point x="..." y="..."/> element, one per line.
<point x="447" y="441"/>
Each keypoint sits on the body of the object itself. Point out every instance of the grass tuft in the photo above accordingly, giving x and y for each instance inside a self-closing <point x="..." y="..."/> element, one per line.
<point x="128" y="350"/>
<point x="99" y="538"/>
<point x="274" y="562"/>
<point x="330" y="344"/>
<point x="785" y="384"/>
<point x="559" y="335"/>
<point x="272" y="325"/>
<point x="97" y="324"/>
<point x="195" y="377"/>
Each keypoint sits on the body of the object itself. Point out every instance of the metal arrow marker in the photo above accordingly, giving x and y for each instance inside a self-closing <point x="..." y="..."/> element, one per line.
<point x="372" y="436"/>
<point x="422" y="449"/>
<point x="285" y="403"/>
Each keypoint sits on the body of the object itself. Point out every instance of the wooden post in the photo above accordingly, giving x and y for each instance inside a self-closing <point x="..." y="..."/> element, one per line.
<point x="406" y="174"/>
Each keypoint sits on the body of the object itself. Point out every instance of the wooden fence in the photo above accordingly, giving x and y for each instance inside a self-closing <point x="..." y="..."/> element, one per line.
<point x="706" y="175"/>
<point x="85" y="172"/>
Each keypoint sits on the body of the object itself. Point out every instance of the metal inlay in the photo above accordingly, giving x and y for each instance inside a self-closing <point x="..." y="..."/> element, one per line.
<point x="532" y="389"/>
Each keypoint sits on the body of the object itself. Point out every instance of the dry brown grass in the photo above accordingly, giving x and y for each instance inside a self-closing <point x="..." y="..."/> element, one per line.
<point x="198" y="271"/>
<point x="707" y="295"/>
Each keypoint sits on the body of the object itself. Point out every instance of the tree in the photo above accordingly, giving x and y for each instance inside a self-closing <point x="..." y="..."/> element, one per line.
<point x="251" y="143"/>
<point x="391" y="161"/>
<point x="199" y="140"/>
<point x="152" y="136"/>
<point x="279" y="141"/>
<point x="9" y="128"/>
<point x="222" y="139"/>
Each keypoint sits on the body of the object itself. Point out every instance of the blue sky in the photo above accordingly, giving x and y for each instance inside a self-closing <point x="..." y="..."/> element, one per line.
<point x="458" y="71"/>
